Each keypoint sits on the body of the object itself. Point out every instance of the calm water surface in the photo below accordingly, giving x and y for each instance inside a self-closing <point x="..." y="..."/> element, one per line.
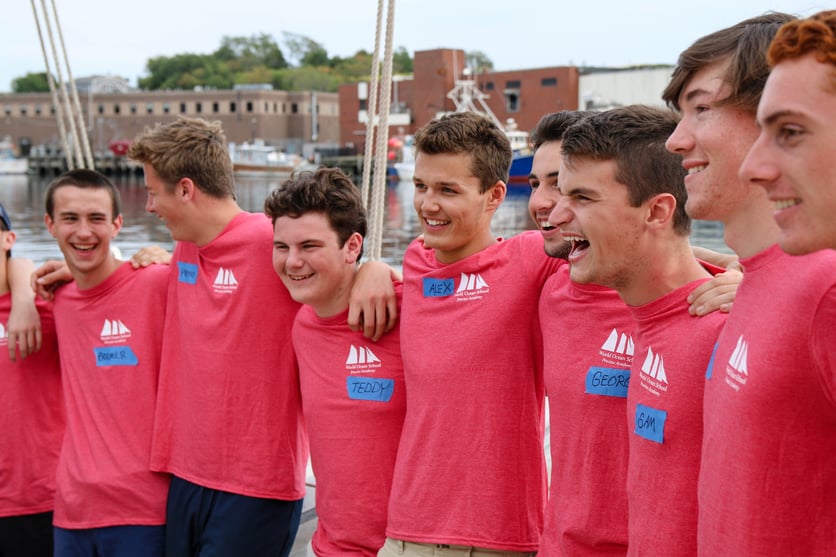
<point x="23" y="197"/>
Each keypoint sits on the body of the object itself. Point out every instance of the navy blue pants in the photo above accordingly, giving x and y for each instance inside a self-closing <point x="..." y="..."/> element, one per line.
<point x="110" y="541"/>
<point x="204" y="522"/>
<point x="28" y="535"/>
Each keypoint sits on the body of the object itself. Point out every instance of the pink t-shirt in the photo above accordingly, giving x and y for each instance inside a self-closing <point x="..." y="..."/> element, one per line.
<point x="109" y="337"/>
<point x="229" y="413"/>
<point x="31" y="419"/>
<point x="664" y="412"/>
<point x="470" y="468"/>
<point x="354" y="400"/>
<point x="588" y="348"/>
<point x="768" y="482"/>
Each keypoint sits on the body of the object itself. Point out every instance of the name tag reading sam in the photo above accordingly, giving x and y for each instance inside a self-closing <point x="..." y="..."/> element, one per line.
<point x="650" y="423"/>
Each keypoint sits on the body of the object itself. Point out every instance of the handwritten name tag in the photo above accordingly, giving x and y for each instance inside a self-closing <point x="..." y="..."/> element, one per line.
<point x="370" y="388"/>
<point x="650" y="423"/>
<point x="187" y="272"/>
<point x="115" y="356"/>
<point x="606" y="381"/>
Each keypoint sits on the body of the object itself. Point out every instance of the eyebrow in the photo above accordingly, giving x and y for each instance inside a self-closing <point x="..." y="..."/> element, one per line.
<point x="690" y="95"/>
<point x="769" y="120"/>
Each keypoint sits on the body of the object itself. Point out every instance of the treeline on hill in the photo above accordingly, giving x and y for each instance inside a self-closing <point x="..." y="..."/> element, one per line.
<point x="303" y="64"/>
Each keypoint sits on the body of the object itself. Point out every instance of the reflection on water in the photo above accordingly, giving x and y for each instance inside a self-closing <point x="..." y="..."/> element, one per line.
<point x="23" y="197"/>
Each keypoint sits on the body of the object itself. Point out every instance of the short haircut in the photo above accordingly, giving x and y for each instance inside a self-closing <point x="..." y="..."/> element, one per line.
<point x="815" y="34"/>
<point x="744" y="45"/>
<point x="471" y="134"/>
<point x="634" y="137"/>
<point x="191" y="148"/>
<point x="551" y="127"/>
<point x="85" y="179"/>
<point x="327" y="191"/>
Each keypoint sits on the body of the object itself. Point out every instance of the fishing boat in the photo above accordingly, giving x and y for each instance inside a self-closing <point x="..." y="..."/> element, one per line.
<point x="10" y="163"/>
<point x="258" y="159"/>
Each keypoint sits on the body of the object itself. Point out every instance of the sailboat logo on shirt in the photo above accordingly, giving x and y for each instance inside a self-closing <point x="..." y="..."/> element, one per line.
<point x="619" y="344"/>
<point x="225" y="281"/>
<point x="114" y="331"/>
<point x="737" y="371"/>
<point x="653" y="376"/>
<point x="471" y="287"/>
<point x="361" y="359"/>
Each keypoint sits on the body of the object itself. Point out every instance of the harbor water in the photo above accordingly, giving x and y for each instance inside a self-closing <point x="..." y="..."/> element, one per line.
<point x="23" y="197"/>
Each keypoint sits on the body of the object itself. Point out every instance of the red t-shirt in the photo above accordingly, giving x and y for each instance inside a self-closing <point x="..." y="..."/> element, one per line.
<point x="354" y="400"/>
<point x="588" y="349"/>
<point x="768" y="482"/>
<point x="31" y="419"/>
<point x="470" y="467"/>
<point x="229" y="413"/>
<point x="109" y="337"/>
<point x="664" y="412"/>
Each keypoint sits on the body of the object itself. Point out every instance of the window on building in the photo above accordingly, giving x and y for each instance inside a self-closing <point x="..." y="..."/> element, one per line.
<point x="548" y="82"/>
<point x="23" y="110"/>
<point x="249" y="106"/>
<point x="149" y="108"/>
<point x="364" y="104"/>
<point x="284" y="108"/>
<point x="513" y="84"/>
<point x="216" y="107"/>
<point x="182" y="108"/>
<point x="198" y="107"/>
<point x="489" y="86"/>
<point x="275" y="108"/>
<point x="100" y="109"/>
<point x="116" y="108"/>
<point x="8" y="110"/>
<point x="133" y="108"/>
<point x="166" y="108"/>
<point x="294" y="108"/>
<point x="512" y="100"/>
<point x="38" y="109"/>
<point x="266" y="107"/>
<point x="232" y="107"/>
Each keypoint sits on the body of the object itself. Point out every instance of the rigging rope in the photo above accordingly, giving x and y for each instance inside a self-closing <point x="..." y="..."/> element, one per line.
<point x="378" y="191"/>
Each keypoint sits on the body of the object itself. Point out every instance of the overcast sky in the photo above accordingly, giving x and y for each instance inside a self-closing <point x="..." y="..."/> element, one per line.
<point x="117" y="37"/>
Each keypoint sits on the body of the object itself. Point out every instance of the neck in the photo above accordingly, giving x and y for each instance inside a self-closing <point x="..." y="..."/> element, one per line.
<point x="665" y="269"/>
<point x="94" y="277"/>
<point x="752" y="229"/>
<point x="212" y="216"/>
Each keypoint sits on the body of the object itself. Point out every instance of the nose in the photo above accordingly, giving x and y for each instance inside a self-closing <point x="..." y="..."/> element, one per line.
<point x="539" y="201"/>
<point x="425" y="201"/>
<point x="293" y="260"/>
<point x="149" y="204"/>
<point x="560" y="214"/>
<point x="681" y="140"/>
<point x="759" y="167"/>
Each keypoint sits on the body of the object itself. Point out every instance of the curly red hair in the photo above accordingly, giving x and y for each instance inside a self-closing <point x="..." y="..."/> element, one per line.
<point x="816" y="34"/>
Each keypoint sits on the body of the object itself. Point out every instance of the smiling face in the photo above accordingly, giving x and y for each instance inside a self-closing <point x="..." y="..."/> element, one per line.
<point x="792" y="158"/>
<point x="83" y="224"/>
<point x="595" y="215"/>
<point x="312" y="264"/>
<point x="163" y="203"/>
<point x="455" y="215"/>
<point x="545" y="195"/>
<point x="713" y="139"/>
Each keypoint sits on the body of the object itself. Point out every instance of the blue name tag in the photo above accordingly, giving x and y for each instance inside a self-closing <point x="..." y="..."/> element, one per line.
<point x="370" y="388"/>
<point x="650" y="423"/>
<point x="710" y="367"/>
<point x="187" y="272"/>
<point x="606" y="381"/>
<point x="434" y="288"/>
<point x="115" y="356"/>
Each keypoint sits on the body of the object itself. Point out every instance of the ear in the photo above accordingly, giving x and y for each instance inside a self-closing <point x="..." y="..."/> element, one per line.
<point x="117" y="226"/>
<point x="352" y="248"/>
<point x="496" y="194"/>
<point x="185" y="189"/>
<point x="661" y="211"/>
<point x="7" y="240"/>
<point x="50" y="224"/>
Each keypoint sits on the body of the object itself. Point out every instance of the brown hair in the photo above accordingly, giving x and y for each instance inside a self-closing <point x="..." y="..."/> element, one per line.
<point x="744" y="45"/>
<point x="551" y="127"/>
<point x="328" y="191"/>
<point x="472" y="134"/>
<point x="187" y="148"/>
<point x="83" y="178"/>
<point x="634" y="137"/>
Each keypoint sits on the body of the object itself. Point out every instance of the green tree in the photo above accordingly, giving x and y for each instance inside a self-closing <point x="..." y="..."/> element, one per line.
<point x="304" y="51"/>
<point x="306" y="78"/>
<point x="478" y="61"/>
<point x="401" y="61"/>
<point x="31" y="83"/>
<point x="251" y="52"/>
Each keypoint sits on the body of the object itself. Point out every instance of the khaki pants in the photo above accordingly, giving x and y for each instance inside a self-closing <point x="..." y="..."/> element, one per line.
<point x="399" y="548"/>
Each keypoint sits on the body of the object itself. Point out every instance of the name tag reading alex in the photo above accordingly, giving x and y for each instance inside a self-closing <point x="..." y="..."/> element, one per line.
<point x="434" y="288"/>
<point x="650" y="423"/>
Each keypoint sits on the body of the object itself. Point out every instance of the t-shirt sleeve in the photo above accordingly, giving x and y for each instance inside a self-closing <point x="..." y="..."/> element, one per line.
<point x="823" y="338"/>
